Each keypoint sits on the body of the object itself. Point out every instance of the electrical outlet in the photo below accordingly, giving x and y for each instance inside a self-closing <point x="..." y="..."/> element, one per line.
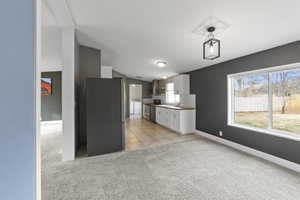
<point x="221" y="133"/>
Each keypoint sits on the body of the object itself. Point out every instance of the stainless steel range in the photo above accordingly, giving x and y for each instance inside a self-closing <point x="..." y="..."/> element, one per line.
<point x="146" y="111"/>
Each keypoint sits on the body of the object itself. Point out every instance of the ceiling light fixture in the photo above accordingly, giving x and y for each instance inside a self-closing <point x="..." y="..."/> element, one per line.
<point x="164" y="77"/>
<point x="161" y="63"/>
<point x="211" y="47"/>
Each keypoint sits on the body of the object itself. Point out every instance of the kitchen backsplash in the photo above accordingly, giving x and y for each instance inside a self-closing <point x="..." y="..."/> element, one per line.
<point x="162" y="99"/>
<point x="188" y="100"/>
<point x="147" y="100"/>
<point x="185" y="100"/>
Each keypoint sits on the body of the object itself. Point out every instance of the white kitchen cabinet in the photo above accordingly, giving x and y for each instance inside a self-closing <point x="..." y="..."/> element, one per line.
<point x="174" y="117"/>
<point x="159" y="113"/>
<point x="161" y="116"/>
<point x="181" y="121"/>
<point x="182" y="84"/>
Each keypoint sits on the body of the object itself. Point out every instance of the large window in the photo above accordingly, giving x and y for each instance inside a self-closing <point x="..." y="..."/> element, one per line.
<point x="266" y="100"/>
<point x="171" y="97"/>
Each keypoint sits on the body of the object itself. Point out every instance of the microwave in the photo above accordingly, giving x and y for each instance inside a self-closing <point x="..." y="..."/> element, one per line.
<point x="156" y="101"/>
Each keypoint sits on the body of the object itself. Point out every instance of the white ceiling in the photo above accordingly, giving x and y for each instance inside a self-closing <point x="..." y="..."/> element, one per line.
<point x="48" y="18"/>
<point x="133" y="34"/>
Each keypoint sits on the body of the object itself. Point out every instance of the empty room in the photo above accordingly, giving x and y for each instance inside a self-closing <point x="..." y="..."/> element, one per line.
<point x="150" y="100"/>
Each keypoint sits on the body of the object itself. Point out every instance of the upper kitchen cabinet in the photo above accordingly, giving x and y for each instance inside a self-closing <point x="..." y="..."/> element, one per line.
<point x="182" y="84"/>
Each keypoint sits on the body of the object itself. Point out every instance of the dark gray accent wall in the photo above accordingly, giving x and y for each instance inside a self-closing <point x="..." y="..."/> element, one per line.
<point x="77" y="88"/>
<point x="89" y="67"/>
<point x="51" y="105"/>
<point x="147" y="91"/>
<point x="210" y="86"/>
<point x="17" y="102"/>
<point x="116" y="74"/>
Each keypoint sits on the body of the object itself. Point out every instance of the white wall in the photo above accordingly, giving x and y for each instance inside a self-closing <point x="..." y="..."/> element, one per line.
<point x="18" y="178"/>
<point x="51" y="41"/>
<point x="51" y="49"/>
<point x="68" y="93"/>
<point x="58" y="54"/>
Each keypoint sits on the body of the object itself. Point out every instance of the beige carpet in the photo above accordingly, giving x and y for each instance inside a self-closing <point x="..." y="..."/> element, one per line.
<point x="189" y="170"/>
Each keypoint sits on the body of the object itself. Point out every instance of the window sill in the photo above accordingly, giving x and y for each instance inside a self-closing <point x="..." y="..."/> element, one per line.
<point x="272" y="132"/>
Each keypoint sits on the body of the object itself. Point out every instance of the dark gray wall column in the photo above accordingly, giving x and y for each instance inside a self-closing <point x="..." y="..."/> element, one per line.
<point x="17" y="102"/>
<point x="210" y="86"/>
<point x="77" y="88"/>
<point x="89" y="67"/>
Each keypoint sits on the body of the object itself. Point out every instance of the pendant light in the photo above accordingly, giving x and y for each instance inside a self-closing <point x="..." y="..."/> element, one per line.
<point x="211" y="47"/>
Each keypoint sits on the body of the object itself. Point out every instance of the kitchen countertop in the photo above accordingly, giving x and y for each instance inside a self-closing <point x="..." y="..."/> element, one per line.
<point x="174" y="107"/>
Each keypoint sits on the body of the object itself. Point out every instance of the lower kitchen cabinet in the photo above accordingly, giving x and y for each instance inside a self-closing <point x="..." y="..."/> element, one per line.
<point x="181" y="121"/>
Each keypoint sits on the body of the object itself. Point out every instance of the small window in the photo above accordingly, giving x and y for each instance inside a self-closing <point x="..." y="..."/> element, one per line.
<point x="267" y="100"/>
<point x="171" y="97"/>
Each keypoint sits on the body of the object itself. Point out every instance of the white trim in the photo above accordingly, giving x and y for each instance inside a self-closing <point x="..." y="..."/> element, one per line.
<point x="230" y="101"/>
<point x="270" y="101"/>
<point x="266" y="70"/>
<point x="37" y="86"/>
<point x="49" y="68"/>
<point x="279" y="161"/>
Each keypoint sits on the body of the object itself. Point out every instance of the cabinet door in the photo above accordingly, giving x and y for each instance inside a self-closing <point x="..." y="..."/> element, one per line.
<point x="182" y="84"/>
<point x="164" y="117"/>
<point x="176" y="82"/>
<point x="158" y="115"/>
<point x="171" y="119"/>
<point x="174" y="120"/>
<point x="168" y="119"/>
<point x="176" y="124"/>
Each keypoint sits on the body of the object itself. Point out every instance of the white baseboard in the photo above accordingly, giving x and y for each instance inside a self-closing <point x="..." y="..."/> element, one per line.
<point x="58" y="122"/>
<point x="279" y="161"/>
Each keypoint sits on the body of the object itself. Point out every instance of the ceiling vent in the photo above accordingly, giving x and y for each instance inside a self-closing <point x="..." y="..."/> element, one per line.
<point x="219" y="25"/>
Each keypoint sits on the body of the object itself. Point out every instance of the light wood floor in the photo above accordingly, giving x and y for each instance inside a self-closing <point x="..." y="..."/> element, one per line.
<point x="142" y="133"/>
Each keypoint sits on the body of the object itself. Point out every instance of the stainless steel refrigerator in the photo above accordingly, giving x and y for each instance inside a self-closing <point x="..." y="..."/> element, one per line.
<point x="105" y="117"/>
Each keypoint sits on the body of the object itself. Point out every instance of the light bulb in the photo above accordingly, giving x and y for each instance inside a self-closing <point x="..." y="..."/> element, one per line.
<point x="161" y="63"/>
<point x="211" y="49"/>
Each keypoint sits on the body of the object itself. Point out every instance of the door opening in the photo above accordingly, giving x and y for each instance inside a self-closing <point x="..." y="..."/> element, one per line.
<point x="51" y="118"/>
<point x="135" y="101"/>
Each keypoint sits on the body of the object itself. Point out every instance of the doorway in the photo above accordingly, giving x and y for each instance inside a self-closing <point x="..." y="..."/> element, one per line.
<point x="51" y="118"/>
<point x="135" y="101"/>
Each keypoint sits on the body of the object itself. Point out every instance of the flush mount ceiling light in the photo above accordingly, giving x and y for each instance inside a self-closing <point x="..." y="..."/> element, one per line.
<point x="164" y="77"/>
<point x="211" y="47"/>
<point x="161" y="63"/>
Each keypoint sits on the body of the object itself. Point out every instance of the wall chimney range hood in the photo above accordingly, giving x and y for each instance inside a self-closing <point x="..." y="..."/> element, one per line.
<point x="156" y="90"/>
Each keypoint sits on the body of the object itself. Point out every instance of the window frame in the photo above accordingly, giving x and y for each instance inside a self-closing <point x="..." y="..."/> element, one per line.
<point x="166" y="94"/>
<point x="231" y="103"/>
